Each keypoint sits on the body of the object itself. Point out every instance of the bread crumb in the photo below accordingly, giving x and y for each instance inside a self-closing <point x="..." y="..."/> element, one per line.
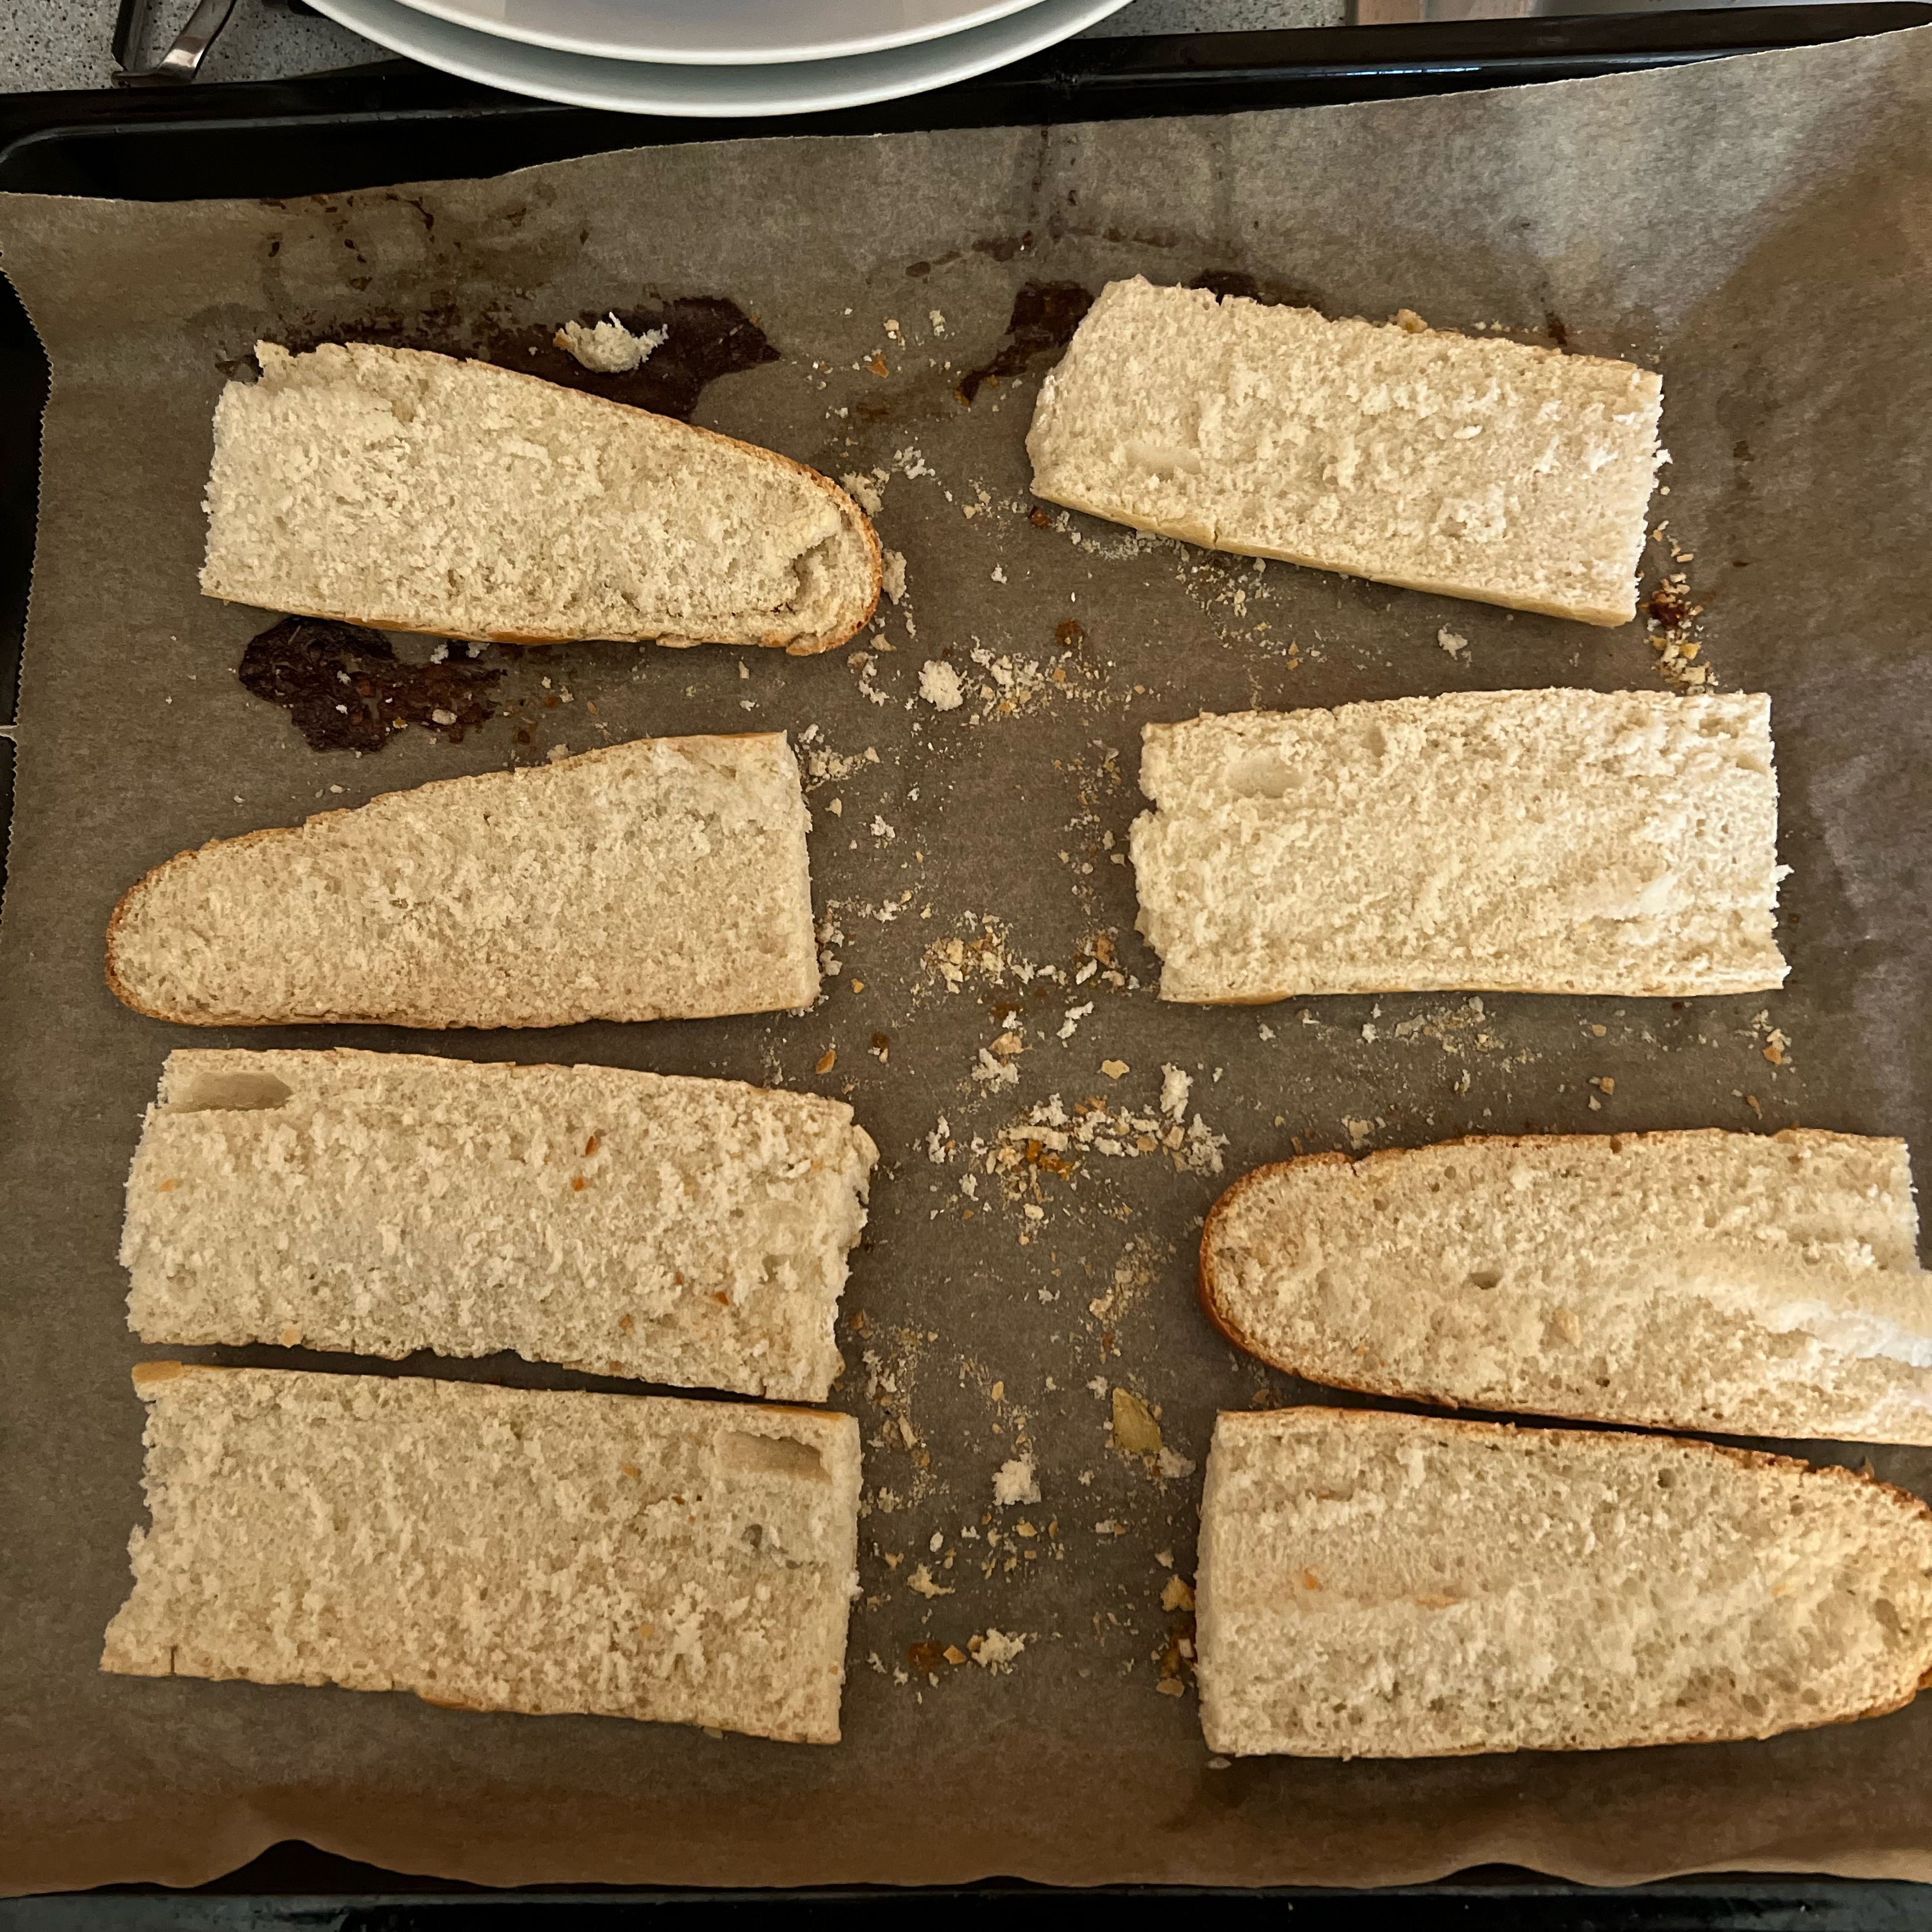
<point x="939" y="685"/>
<point x="996" y="1073"/>
<point x="1175" y="1087"/>
<point x="1451" y="642"/>
<point x="995" y="1651"/>
<point x="607" y="348"/>
<point x="921" y="1583"/>
<point x="1179" y="1595"/>
<point x="1016" y="1482"/>
<point x="892" y="575"/>
<point x="1113" y="1068"/>
<point x="864" y="491"/>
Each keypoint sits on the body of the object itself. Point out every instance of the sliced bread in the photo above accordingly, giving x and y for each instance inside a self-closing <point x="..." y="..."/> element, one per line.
<point x="1377" y="1586"/>
<point x="1485" y="469"/>
<point x="687" y="1231"/>
<point x="418" y="493"/>
<point x="665" y="878"/>
<point x="1754" y="1285"/>
<point x="496" y="1548"/>
<point x="1539" y="842"/>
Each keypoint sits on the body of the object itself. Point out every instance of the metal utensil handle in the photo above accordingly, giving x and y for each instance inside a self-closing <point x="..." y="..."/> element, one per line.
<point x="182" y="62"/>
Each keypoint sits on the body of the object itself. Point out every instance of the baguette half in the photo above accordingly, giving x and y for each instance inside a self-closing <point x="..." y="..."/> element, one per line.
<point x="664" y="878"/>
<point x="1486" y="469"/>
<point x="1618" y="842"/>
<point x="687" y="1231"/>
<point x="1754" y="1285"/>
<point x="1379" y="1586"/>
<point x="416" y="492"/>
<point x="496" y="1548"/>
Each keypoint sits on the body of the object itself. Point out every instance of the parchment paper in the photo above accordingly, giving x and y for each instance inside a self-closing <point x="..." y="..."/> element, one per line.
<point x="1757" y="227"/>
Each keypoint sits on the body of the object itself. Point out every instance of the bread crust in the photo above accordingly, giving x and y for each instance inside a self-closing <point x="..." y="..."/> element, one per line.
<point x="1714" y="985"/>
<point x="129" y="900"/>
<point x="1229" y="1327"/>
<point x="1603" y="616"/>
<point x="854" y="519"/>
<point x="1373" y="1418"/>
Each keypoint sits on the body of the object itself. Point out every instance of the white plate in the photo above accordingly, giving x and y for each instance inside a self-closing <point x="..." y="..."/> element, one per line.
<point x="720" y="33"/>
<point x="638" y="87"/>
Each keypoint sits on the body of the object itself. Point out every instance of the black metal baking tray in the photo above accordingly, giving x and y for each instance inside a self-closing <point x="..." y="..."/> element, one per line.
<point x="291" y="1886"/>
<point x="397" y="122"/>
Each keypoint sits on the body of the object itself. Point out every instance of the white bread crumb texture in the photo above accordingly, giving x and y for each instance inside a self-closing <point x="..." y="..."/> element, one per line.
<point x="1481" y="468"/>
<point x="1750" y="1284"/>
<point x="497" y="1548"/>
<point x="674" y="1230"/>
<point x="419" y="492"/>
<point x="1578" y="841"/>
<point x="1388" y="1585"/>
<point x="667" y="877"/>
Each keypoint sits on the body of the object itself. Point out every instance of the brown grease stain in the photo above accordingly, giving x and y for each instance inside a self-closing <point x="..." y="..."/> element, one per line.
<point x="1239" y="284"/>
<point x="1045" y="316"/>
<point x="345" y="690"/>
<point x="710" y="336"/>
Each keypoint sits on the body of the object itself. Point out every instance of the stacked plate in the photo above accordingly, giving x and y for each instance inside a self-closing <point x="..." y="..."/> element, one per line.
<point x="716" y="57"/>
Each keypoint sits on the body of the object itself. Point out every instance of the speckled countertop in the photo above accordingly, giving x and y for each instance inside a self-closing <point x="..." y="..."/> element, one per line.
<point x="64" y="43"/>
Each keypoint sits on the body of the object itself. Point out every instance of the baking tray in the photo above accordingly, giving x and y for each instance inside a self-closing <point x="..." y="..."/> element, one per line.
<point x="396" y="121"/>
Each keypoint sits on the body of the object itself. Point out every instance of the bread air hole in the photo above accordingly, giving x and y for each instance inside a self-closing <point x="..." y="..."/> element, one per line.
<point x="772" y="1456"/>
<point x="1259" y="775"/>
<point x="228" y="1093"/>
